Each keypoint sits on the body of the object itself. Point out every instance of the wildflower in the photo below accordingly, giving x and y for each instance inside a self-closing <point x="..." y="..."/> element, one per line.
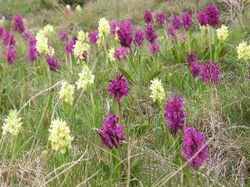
<point x="160" y="18"/>
<point x="202" y="18"/>
<point x="85" y="56"/>
<point x="157" y="90"/>
<point x="42" y="44"/>
<point x="47" y="30"/>
<point x="69" y="46"/>
<point x="113" y="27"/>
<point x="153" y="48"/>
<point x="192" y="143"/>
<point x="138" y="38"/>
<point x="193" y="65"/>
<point x="213" y="15"/>
<point x="111" y="54"/>
<point x="148" y="16"/>
<point x="51" y="51"/>
<point x="82" y="36"/>
<point x="1" y="31"/>
<point x="80" y="48"/>
<point x="53" y="64"/>
<point x="118" y="88"/>
<point x="103" y="27"/>
<point x="182" y="37"/>
<point x="42" y="40"/>
<point x="111" y="133"/>
<point x="59" y="136"/>
<point x="8" y="38"/>
<point x="18" y="24"/>
<point x="209" y="73"/>
<point x="93" y="37"/>
<point x="194" y="69"/>
<point x="66" y="92"/>
<point x="26" y="35"/>
<point x="222" y="33"/>
<point x="78" y="8"/>
<point x="10" y="54"/>
<point x="243" y="51"/>
<point x="63" y="35"/>
<point x="170" y="31"/>
<point x="125" y="33"/>
<point x="32" y="52"/>
<point x="176" y="22"/>
<point x="150" y="33"/>
<point x="191" y="58"/>
<point x="121" y="53"/>
<point x="174" y="114"/>
<point x="86" y="78"/>
<point x="186" y="20"/>
<point x="12" y="124"/>
<point x="68" y="7"/>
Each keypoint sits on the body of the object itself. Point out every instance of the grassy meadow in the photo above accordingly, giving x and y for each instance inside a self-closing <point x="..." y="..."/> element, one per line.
<point x="150" y="154"/>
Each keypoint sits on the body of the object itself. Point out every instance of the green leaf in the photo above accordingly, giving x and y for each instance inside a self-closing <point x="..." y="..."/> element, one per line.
<point x="136" y="163"/>
<point x="154" y="74"/>
<point x="127" y="75"/>
<point x="140" y="129"/>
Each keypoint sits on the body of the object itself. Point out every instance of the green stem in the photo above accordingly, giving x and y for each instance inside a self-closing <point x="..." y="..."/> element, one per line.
<point x="13" y="148"/>
<point x="70" y="61"/>
<point x="77" y="101"/>
<point x="60" y="158"/>
<point x="92" y="105"/>
<point x="41" y="118"/>
<point x="117" y="164"/>
<point x="210" y="44"/>
<point x="157" y="63"/>
<point x="140" y="64"/>
<point x="189" y="41"/>
<point x="92" y="98"/>
<point x="120" y="113"/>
